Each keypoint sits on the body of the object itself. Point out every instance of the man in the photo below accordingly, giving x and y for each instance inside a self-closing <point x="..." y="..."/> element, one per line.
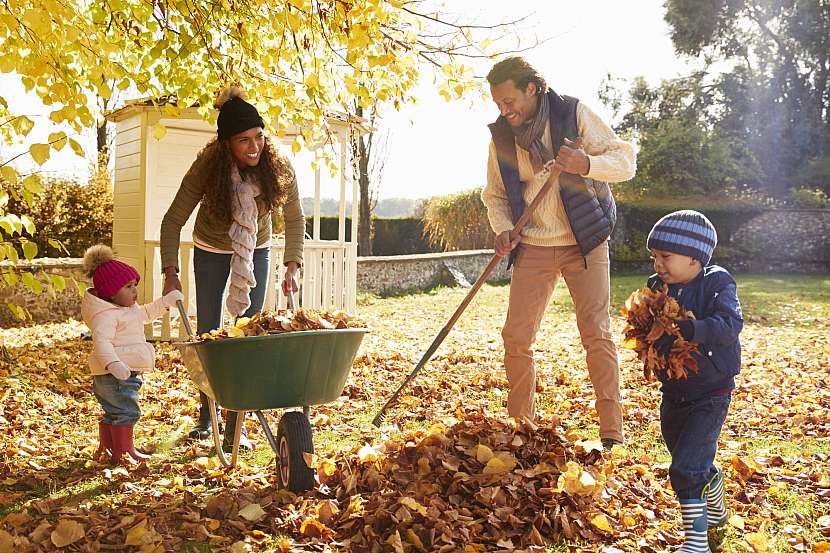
<point x="567" y="235"/>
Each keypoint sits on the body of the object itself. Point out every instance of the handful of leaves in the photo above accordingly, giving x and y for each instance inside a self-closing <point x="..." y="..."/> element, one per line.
<point x="650" y="315"/>
<point x="285" y="320"/>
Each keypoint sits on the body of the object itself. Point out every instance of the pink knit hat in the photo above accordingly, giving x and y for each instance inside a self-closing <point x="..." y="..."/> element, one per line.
<point x="108" y="274"/>
<point x="111" y="276"/>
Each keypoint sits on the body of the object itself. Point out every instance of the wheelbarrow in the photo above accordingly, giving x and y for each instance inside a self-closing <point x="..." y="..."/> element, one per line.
<point x="277" y="371"/>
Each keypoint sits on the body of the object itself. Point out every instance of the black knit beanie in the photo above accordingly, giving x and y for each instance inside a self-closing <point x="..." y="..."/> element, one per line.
<point x="235" y="116"/>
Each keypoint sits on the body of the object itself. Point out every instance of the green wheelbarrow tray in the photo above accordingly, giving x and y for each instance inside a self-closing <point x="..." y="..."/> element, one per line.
<point x="276" y="371"/>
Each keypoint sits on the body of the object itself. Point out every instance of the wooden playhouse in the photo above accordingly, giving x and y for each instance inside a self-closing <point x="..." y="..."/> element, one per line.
<point x="148" y="172"/>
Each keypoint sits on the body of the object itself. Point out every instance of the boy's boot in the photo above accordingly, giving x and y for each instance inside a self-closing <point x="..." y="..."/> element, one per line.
<point x="695" y="526"/>
<point x="717" y="513"/>
<point x="202" y="429"/>
<point x="104" y="451"/>
<point x="124" y="451"/>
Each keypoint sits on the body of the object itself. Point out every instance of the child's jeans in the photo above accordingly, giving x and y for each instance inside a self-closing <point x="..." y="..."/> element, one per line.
<point x="118" y="398"/>
<point x="691" y="430"/>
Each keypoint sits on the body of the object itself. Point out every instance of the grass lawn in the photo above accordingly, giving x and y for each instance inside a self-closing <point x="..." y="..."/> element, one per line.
<point x="775" y="448"/>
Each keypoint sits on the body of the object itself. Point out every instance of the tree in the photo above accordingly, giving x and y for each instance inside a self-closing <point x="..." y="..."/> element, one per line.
<point x="777" y="94"/>
<point x="297" y="59"/>
<point x="371" y="156"/>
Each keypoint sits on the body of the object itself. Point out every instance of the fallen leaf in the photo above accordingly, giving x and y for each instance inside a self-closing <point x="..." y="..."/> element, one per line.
<point x="66" y="532"/>
<point x="252" y="512"/>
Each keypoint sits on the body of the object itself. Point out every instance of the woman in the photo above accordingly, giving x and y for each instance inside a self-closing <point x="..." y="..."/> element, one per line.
<point x="241" y="180"/>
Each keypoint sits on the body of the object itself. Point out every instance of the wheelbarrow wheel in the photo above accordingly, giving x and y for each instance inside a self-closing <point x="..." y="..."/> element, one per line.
<point x="294" y="439"/>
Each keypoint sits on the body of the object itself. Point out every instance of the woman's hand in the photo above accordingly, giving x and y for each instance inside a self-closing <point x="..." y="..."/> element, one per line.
<point x="171" y="281"/>
<point x="289" y="281"/>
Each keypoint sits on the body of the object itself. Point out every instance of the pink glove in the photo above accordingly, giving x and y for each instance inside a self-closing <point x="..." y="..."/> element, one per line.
<point x="119" y="370"/>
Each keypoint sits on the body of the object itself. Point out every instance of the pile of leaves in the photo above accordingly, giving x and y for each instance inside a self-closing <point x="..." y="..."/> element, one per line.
<point x="285" y="320"/>
<point x="650" y="314"/>
<point x="481" y="484"/>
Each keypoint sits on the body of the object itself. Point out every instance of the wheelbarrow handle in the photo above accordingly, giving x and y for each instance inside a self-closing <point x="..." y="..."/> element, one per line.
<point x="184" y="320"/>
<point x="292" y="301"/>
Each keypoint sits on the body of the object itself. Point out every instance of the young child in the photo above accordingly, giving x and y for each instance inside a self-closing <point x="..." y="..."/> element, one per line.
<point x="693" y="410"/>
<point x="119" y="350"/>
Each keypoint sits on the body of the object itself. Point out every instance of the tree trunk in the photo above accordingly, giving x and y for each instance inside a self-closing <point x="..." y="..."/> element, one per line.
<point x="364" y="225"/>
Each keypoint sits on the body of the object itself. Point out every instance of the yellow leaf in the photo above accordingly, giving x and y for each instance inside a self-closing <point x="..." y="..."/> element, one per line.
<point x="483" y="453"/>
<point x="159" y="131"/>
<point x="67" y="531"/>
<point x="395" y="541"/>
<point x="757" y="541"/>
<point x="242" y="321"/>
<point x="500" y="463"/>
<point x="77" y="148"/>
<point x="296" y="147"/>
<point x="235" y="332"/>
<point x="821" y="547"/>
<point x="413" y="538"/>
<point x="368" y="454"/>
<point x="39" y="153"/>
<point x="136" y="534"/>
<point x="57" y="140"/>
<point x="252" y="512"/>
<point x="240" y="547"/>
<point x="413" y="505"/>
<point x="601" y="522"/>
<point x="737" y="521"/>
<point x="310" y="459"/>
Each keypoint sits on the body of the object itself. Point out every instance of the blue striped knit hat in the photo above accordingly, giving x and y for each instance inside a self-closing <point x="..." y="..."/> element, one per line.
<point x="685" y="232"/>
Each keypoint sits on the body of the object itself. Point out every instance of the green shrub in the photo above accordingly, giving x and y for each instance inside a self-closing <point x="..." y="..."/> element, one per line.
<point x="76" y="214"/>
<point x="810" y="198"/>
<point x="458" y="222"/>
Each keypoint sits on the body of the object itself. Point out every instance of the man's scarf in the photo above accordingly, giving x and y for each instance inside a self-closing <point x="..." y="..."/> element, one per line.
<point x="529" y="135"/>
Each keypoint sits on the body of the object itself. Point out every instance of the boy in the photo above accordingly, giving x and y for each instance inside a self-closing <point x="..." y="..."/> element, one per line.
<point x="694" y="409"/>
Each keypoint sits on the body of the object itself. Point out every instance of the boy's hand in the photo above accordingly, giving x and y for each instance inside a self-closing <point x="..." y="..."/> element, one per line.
<point x="663" y="345"/>
<point x="170" y="299"/>
<point x="119" y="370"/>
<point x="687" y="329"/>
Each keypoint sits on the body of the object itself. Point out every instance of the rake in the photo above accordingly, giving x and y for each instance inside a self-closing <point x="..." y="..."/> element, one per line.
<point x="517" y="230"/>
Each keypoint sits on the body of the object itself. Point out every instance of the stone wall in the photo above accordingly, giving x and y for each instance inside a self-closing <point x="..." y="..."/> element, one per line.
<point x="773" y="241"/>
<point x="395" y="274"/>
<point x="45" y="307"/>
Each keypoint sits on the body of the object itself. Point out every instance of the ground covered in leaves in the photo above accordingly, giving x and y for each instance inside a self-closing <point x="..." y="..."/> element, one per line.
<point x="448" y="472"/>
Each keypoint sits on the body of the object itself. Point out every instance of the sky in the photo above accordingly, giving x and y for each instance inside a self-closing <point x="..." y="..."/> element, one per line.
<point x="436" y="147"/>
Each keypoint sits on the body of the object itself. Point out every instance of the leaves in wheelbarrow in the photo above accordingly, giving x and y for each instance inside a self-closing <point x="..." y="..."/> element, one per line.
<point x="650" y="314"/>
<point x="285" y="320"/>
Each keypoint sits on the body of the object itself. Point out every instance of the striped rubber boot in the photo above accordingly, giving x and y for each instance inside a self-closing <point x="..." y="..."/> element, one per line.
<point x="694" y="526"/>
<point x="717" y="513"/>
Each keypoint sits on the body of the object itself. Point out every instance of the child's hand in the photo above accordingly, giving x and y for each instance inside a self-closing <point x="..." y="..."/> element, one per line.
<point x="119" y="370"/>
<point x="170" y="299"/>
<point x="664" y="343"/>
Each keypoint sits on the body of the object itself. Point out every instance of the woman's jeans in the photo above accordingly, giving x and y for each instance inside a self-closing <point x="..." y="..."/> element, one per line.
<point x="211" y="271"/>
<point x="691" y="430"/>
<point x="118" y="398"/>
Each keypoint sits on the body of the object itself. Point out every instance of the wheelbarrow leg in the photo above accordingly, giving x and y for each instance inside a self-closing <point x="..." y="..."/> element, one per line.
<point x="217" y="438"/>
<point x="267" y="429"/>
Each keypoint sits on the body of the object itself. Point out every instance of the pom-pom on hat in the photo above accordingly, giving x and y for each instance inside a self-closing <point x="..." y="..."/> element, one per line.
<point x="235" y="113"/>
<point x="108" y="274"/>
<point x="686" y="232"/>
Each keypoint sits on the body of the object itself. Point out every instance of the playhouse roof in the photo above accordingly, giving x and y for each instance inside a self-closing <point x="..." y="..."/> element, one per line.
<point x="337" y="119"/>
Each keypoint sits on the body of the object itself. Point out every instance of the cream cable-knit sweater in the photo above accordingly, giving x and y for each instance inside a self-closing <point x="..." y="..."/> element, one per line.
<point x="612" y="160"/>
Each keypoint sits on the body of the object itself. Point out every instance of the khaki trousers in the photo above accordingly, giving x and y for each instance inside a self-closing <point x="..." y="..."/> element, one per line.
<point x="535" y="274"/>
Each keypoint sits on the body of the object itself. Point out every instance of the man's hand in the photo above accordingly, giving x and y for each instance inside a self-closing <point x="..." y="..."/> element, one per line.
<point x="503" y="245"/>
<point x="171" y="281"/>
<point x="289" y="281"/>
<point x="119" y="370"/>
<point x="572" y="158"/>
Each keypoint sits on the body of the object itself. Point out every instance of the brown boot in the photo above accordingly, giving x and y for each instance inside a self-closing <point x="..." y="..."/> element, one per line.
<point x="124" y="451"/>
<point x="104" y="451"/>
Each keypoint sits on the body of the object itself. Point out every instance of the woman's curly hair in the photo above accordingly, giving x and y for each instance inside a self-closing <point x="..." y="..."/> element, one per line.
<point x="213" y="164"/>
